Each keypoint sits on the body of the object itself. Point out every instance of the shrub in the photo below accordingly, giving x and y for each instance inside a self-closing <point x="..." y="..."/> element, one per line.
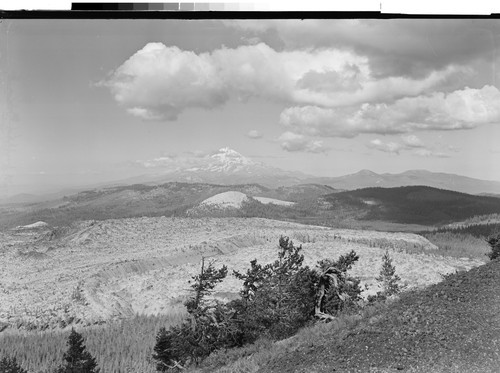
<point x="9" y="365"/>
<point x="281" y="297"/>
<point x="277" y="298"/>
<point x="494" y="242"/>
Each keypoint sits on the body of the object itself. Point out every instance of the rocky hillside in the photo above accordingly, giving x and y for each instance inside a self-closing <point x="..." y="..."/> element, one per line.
<point x="453" y="326"/>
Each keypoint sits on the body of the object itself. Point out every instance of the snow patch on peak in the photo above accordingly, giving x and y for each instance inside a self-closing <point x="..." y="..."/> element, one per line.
<point x="228" y="154"/>
<point x="228" y="160"/>
<point x="229" y="151"/>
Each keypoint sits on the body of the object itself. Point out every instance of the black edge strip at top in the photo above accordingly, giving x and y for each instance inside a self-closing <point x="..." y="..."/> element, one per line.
<point x="151" y="14"/>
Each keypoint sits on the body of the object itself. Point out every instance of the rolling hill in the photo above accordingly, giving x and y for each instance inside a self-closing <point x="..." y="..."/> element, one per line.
<point x="414" y="204"/>
<point x="169" y="199"/>
<point x="305" y="203"/>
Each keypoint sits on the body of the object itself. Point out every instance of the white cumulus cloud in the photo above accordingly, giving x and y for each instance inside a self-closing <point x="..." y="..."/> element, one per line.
<point x="254" y="134"/>
<point x="412" y="141"/>
<point x="159" y="82"/>
<point x="293" y="142"/>
<point x="430" y="153"/>
<point x="388" y="147"/>
<point x="408" y="142"/>
<point x="461" y="109"/>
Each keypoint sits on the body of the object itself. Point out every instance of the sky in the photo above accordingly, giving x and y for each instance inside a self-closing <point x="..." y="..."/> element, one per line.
<point x="89" y="101"/>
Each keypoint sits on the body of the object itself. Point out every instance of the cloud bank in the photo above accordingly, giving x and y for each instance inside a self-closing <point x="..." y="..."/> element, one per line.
<point x="293" y="142"/>
<point x="394" y="47"/>
<point x="254" y="134"/>
<point x="461" y="109"/>
<point x="160" y="82"/>
<point x="408" y="143"/>
<point x="373" y="77"/>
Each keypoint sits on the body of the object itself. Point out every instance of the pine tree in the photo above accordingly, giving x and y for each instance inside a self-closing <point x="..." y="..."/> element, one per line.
<point x="164" y="353"/>
<point x="206" y="330"/>
<point x="77" y="358"/>
<point x="388" y="278"/>
<point x="204" y="283"/>
<point x="9" y="365"/>
<point x="280" y="297"/>
<point x="494" y="242"/>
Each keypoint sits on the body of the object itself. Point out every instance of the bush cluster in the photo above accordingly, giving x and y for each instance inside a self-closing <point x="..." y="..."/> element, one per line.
<point x="276" y="300"/>
<point x="10" y="365"/>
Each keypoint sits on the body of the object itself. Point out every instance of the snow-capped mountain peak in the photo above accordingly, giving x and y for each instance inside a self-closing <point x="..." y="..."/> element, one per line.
<point x="229" y="152"/>
<point x="228" y="160"/>
<point x="227" y="166"/>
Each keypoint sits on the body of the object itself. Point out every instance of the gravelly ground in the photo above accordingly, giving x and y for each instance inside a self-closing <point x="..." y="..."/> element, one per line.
<point x="453" y="326"/>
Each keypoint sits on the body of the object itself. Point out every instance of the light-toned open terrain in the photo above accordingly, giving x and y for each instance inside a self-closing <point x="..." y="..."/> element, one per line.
<point x="104" y="270"/>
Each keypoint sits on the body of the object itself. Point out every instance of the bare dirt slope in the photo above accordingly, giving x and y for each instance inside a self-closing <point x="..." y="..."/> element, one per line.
<point x="453" y="326"/>
<point x="104" y="270"/>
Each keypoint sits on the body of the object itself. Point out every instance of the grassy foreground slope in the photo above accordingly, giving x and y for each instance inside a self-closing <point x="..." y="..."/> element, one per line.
<point x="453" y="326"/>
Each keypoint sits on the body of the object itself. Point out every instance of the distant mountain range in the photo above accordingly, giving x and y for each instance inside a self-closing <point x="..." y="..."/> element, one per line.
<point x="228" y="167"/>
<point x="367" y="179"/>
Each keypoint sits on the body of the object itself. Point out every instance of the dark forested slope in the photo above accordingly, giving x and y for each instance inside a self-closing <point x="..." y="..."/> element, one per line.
<point x="415" y="204"/>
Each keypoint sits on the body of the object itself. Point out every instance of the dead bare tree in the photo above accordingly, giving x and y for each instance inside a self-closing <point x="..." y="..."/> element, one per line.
<point x="329" y="277"/>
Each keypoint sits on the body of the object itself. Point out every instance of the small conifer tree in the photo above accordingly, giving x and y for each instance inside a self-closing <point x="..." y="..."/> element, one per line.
<point x="77" y="359"/>
<point x="204" y="283"/>
<point x="164" y="351"/>
<point x="206" y="330"/>
<point x="10" y="365"/>
<point x="494" y="243"/>
<point x="388" y="278"/>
